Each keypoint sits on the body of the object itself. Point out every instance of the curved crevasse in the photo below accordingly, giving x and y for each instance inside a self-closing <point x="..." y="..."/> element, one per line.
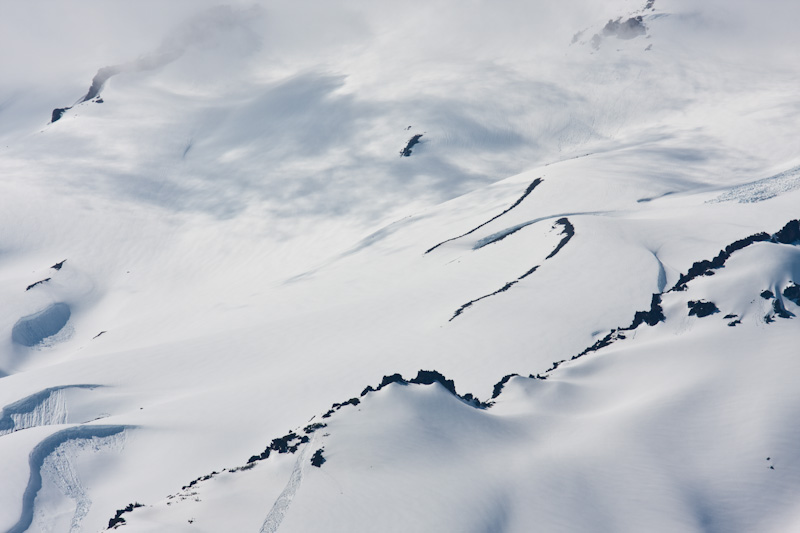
<point x="33" y="329"/>
<point x="44" y="408"/>
<point x="53" y="456"/>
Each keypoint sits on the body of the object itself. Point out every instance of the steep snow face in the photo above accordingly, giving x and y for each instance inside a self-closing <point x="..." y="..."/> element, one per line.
<point x="231" y="229"/>
<point x="36" y="328"/>
<point x="48" y="407"/>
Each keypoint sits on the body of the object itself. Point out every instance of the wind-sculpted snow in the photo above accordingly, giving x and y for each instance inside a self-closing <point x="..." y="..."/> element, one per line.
<point x="52" y="458"/>
<point x="763" y="189"/>
<point x="228" y="161"/>
<point x="569" y="232"/>
<point x="789" y="234"/>
<point x="34" y="329"/>
<point x="623" y="27"/>
<point x="303" y="441"/>
<point x="199" y="31"/>
<point x="281" y="505"/>
<point x="529" y="190"/>
<point x="44" y="408"/>
<point x="651" y="317"/>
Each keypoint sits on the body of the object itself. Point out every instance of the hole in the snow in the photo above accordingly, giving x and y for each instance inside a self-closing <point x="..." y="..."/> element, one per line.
<point x="33" y="329"/>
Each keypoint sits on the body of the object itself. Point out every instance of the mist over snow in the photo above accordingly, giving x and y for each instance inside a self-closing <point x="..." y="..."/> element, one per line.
<point x="431" y="266"/>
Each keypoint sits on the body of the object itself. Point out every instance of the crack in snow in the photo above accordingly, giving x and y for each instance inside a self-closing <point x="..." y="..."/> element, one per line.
<point x="52" y="460"/>
<point x="569" y="232"/>
<point x="529" y="190"/>
<point x="44" y="408"/>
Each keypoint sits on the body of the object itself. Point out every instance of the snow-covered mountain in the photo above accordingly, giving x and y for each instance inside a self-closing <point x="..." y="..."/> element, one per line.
<point x="432" y="266"/>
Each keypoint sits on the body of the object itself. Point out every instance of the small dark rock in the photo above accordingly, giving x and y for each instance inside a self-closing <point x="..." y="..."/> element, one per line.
<point x="32" y="285"/>
<point x="767" y="295"/>
<point x="317" y="459"/>
<point x="58" y="266"/>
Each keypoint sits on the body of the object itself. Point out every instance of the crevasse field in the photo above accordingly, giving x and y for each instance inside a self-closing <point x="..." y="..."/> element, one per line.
<point x="443" y="266"/>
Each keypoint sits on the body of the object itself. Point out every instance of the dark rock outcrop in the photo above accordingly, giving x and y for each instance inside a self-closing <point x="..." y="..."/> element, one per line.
<point x="58" y="113"/>
<point x="792" y="293"/>
<point x="317" y="459"/>
<point x="32" y="285"/>
<point x="789" y="234"/>
<point x="406" y="152"/>
<point x="702" y="309"/>
<point x="705" y="267"/>
<point x="568" y="232"/>
<point x="779" y="310"/>
<point x="651" y="317"/>
<point x="118" y="520"/>
<point x="498" y="387"/>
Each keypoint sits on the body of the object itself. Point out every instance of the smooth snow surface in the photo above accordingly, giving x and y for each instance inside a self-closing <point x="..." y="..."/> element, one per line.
<point x="572" y="305"/>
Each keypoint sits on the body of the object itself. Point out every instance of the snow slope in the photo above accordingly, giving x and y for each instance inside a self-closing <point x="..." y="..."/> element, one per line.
<point x="232" y="240"/>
